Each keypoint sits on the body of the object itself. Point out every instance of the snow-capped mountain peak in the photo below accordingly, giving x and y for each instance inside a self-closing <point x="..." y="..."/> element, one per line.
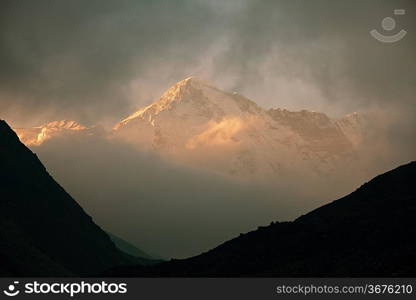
<point x="35" y="136"/>
<point x="199" y="124"/>
<point x="63" y="124"/>
<point x="197" y="98"/>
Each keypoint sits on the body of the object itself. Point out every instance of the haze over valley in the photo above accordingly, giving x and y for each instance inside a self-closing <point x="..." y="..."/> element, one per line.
<point x="178" y="125"/>
<point x="200" y="165"/>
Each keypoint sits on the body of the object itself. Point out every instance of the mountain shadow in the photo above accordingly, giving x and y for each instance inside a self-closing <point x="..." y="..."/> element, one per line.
<point x="43" y="231"/>
<point x="370" y="232"/>
<point x="132" y="250"/>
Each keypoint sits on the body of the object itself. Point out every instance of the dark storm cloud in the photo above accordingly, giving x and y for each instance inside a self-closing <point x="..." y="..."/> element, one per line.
<point x="328" y="44"/>
<point x="74" y="57"/>
<point x="319" y="55"/>
<point x="77" y="59"/>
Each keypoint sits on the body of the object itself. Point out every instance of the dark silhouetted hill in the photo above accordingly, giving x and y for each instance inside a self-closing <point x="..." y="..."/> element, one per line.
<point x="370" y="232"/>
<point x="43" y="231"/>
<point x="132" y="250"/>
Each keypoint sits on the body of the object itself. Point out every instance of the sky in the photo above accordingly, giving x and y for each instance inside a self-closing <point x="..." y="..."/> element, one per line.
<point x="98" y="61"/>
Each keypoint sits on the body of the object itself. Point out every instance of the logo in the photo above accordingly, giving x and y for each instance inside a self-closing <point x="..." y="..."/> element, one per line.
<point x="69" y="288"/>
<point x="11" y="290"/>
<point x="388" y="24"/>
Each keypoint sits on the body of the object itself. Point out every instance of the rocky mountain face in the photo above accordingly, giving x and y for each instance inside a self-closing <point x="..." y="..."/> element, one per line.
<point x="43" y="231"/>
<point x="37" y="135"/>
<point x="368" y="233"/>
<point x="198" y="125"/>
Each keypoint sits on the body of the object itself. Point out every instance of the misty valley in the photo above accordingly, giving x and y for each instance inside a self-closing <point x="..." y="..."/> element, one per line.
<point x="205" y="138"/>
<point x="175" y="187"/>
<point x="201" y="165"/>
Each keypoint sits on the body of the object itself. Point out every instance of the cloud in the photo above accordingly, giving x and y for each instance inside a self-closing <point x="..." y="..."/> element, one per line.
<point x="97" y="61"/>
<point x="75" y="58"/>
<point x="166" y="208"/>
<point x="100" y="60"/>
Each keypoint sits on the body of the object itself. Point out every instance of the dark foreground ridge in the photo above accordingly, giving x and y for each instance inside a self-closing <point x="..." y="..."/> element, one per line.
<point x="43" y="231"/>
<point x="370" y="232"/>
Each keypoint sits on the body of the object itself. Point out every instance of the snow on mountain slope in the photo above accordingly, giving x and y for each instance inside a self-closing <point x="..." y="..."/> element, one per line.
<point x="202" y="126"/>
<point x="197" y="124"/>
<point x="352" y="126"/>
<point x="37" y="135"/>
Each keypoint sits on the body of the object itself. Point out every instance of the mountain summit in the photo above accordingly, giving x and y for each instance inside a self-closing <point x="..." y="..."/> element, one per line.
<point x="198" y="124"/>
<point x="193" y="98"/>
<point x="37" y="135"/>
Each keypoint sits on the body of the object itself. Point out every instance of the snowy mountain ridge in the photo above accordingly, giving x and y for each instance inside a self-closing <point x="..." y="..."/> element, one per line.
<point x="199" y="125"/>
<point x="38" y="135"/>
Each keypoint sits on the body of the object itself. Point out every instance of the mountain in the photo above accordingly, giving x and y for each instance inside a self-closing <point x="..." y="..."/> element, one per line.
<point x="197" y="124"/>
<point x="368" y="233"/>
<point x="37" y="135"/>
<point x="43" y="231"/>
<point x="131" y="249"/>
